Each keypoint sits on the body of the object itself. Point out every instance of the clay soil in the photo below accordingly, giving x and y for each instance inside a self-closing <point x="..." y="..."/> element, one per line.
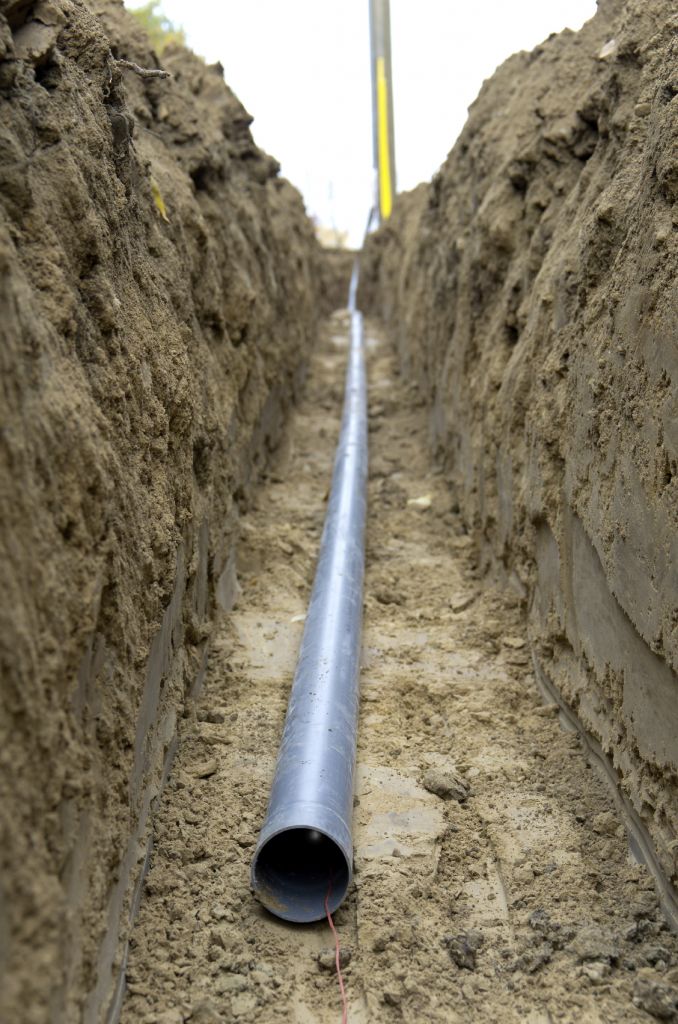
<point x="492" y="880"/>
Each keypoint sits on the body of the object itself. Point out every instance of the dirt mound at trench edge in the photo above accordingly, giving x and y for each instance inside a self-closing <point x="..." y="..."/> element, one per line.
<point x="158" y="296"/>
<point x="531" y="288"/>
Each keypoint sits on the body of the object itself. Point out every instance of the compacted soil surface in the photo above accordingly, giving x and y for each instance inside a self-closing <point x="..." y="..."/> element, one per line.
<point x="492" y="879"/>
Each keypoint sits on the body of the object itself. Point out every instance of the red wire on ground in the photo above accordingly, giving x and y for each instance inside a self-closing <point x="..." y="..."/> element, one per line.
<point x="337" y="957"/>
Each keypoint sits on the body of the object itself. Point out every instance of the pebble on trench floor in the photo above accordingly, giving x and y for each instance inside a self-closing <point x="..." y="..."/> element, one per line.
<point x="327" y="959"/>
<point x="605" y="824"/>
<point x="463" y="948"/>
<point x="514" y="642"/>
<point x="205" y="769"/>
<point x="596" y="971"/>
<point x="594" y="943"/>
<point x="460" y="602"/>
<point x="422" y="502"/>
<point x="655" y="997"/>
<point x="523" y="874"/>
<point x="448" y="785"/>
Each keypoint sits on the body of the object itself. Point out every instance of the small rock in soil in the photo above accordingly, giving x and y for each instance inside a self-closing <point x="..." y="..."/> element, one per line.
<point x="173" y="1016"/>
<point x="448" y="785"/>
<point x="205" y="1013"/>
<point x="596" y="970"/>
<point x="242" y="1004"/>
<point x="460" y="602"/>
<point x="655" y="954"/>
<point x="656" y="997"/>
<point x="546" y="710"/>
<point x="385" y="596"/>
<point x="464" y="947"/>
<point x="557" y="934"/>
<point x="534" y="959"/>
<point x="594" y="943"/>
<point x="540" y="921"/>
<point x="215" y="717"/>
<point x="605" y="824"/>
<point x="327" y="959"/>
<point x="523" y="874"/>
<point x="515" y="643"/>
<point x="204" y="770"/>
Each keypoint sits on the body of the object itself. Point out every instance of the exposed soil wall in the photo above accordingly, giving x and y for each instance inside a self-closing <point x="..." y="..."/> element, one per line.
<point x="531" y="290"/>
<point x="158" y="295"/>
<point x="336" y="268"/>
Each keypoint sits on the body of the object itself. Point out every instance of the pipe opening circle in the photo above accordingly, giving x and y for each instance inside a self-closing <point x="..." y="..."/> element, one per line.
<point x="294" y="871"/>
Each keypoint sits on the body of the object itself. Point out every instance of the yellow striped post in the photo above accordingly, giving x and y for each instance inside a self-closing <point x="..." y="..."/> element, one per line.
<point x="382" y="106"/>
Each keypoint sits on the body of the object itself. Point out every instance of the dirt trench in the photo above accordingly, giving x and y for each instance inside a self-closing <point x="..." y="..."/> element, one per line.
<point x="492" y="879"/>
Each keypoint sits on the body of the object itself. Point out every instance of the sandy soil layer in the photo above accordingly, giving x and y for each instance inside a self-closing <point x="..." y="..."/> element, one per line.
<point x="492" y="879"/>
<point x="158" y="293"/>
<point x="531" y="290"/>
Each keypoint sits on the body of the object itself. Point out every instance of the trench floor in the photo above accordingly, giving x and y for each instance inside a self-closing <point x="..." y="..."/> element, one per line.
<point x="492" y="878"/>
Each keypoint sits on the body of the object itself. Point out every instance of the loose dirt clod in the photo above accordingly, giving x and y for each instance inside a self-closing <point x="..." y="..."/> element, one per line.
<point x="448" y="785"/>
<point x="463" y="948"/>
<point x="656" y="998"/>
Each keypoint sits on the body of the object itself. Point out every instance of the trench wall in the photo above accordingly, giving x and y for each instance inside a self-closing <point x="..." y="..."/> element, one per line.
<point x="158" y="294"/>
<point x="530" y="288"/>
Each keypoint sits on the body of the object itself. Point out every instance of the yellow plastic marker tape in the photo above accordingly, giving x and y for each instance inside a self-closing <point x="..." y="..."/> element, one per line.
<point x="158" y="200"/>
<point x="385" y="186"/>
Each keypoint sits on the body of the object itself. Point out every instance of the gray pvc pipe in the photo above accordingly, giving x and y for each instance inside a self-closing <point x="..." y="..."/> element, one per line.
<point x="305" y="849"/>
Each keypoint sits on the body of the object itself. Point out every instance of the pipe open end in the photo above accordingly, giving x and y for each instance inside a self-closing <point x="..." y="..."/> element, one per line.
<point x="294" y="872"/>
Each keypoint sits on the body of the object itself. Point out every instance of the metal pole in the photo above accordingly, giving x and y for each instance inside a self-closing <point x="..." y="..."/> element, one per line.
<point x="383" y="138"/>
<point x="305" y="849"/>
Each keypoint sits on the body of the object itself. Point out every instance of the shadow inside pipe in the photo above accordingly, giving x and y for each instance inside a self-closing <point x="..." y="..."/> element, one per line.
<point x="294" y="871"/>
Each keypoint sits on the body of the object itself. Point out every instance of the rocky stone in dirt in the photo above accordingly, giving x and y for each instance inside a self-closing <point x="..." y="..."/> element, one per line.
<point x="205" y="1013"/>
<point x="523" y="874"/>
<point x="243" y="1004"/>
<point x="446" y="783"/>
<point x="174" y="1016"/>
<point x="596" y="971"/>
<point x="463" y="948"/>
<point x="460" y="602"/>
<point x="655" y="997"/>
<point x="657" y="955"/>
<point x="385" y="595"/>
<point x="327" y="959"/>
<point x="595" y="943"/>
<point x="533" y="959"/>
<point x="392" y="996"/>
<point x="514" y="643"/>
<point x="206" y="769"/>
<point x="547" y="710"/>
<point x="557" y="934"/>
<point x="605" y="824"/>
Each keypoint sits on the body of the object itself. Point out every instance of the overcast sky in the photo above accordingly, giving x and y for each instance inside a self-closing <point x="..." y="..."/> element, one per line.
<point x="301" y="68"/>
